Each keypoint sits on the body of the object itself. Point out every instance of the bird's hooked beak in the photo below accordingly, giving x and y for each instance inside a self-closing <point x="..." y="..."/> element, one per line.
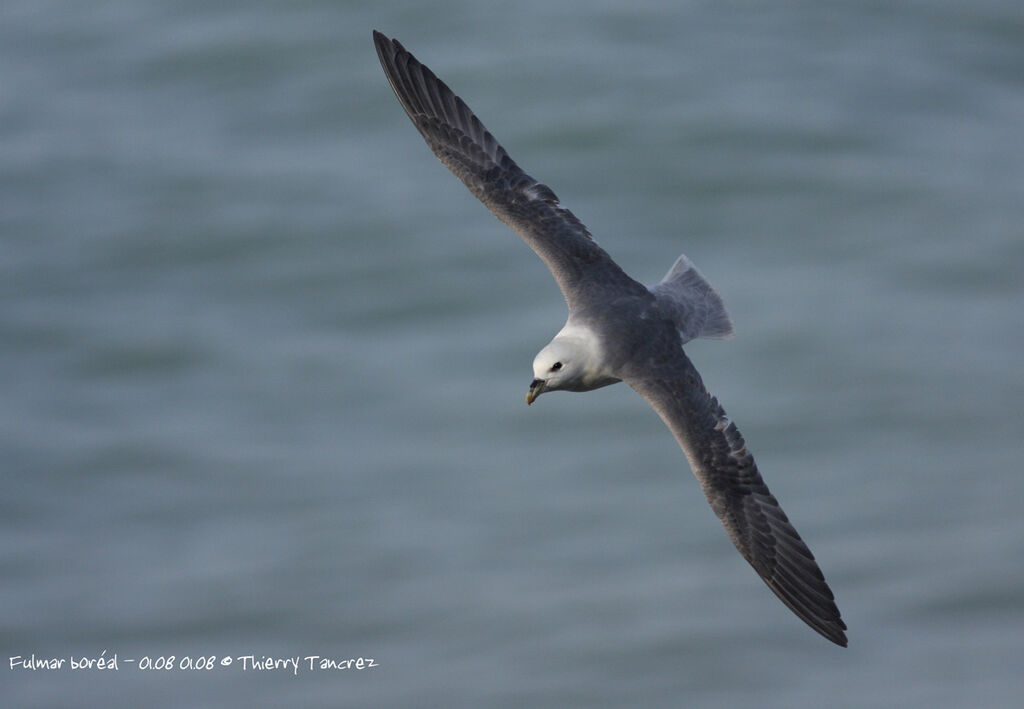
<point x="537" y="387"/>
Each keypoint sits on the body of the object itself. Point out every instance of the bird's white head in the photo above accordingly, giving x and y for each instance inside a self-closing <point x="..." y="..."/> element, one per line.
<point x="570" y="362"/>
<point x="557" y="366"/>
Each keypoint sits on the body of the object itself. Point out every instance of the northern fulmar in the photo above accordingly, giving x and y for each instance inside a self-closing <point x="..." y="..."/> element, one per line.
<point x="621" y="330"/>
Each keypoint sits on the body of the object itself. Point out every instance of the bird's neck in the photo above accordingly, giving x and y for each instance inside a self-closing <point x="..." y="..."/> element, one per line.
<point x="587" y="349"/>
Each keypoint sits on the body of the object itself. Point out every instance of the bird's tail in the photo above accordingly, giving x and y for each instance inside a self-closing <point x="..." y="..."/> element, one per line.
<point x="697" y="309"/>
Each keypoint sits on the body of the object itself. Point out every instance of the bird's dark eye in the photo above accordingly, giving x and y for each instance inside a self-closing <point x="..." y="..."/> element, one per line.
<point x="556" y="366"/>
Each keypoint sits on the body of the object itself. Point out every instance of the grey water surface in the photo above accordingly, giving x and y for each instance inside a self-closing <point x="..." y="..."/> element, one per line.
<point x="263" y="359"/>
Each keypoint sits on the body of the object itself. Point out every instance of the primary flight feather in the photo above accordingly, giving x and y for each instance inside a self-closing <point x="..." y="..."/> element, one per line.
<point x="621" y="330"/>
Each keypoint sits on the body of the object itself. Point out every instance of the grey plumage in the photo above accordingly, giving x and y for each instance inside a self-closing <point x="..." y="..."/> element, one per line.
<point x="696" y="308"/>
<point x="619" y="329"/>
<point x="462" y="143"/>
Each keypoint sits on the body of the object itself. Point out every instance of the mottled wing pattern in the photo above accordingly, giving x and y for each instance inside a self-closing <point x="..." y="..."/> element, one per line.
<point x="582" y="269"/>
<point x="756" y="524"/>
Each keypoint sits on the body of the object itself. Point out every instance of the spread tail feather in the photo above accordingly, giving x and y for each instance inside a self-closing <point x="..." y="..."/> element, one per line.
<point x="697" y="309"/>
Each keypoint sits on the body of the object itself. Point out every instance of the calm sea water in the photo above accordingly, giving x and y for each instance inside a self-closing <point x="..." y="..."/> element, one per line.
<point x="263" y="360"/>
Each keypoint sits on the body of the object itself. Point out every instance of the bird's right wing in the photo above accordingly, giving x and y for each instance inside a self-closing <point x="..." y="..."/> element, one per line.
<point x="460" y="141"/>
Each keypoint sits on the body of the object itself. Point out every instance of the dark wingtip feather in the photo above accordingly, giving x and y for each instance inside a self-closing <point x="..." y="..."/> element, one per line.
<point x="381" y="43"/>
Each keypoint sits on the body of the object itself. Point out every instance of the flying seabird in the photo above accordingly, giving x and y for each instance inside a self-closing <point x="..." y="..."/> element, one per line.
<point x="621" y="330"/>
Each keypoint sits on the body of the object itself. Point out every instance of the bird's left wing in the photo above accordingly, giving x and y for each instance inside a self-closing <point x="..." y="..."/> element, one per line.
<point x="732" y="484"/>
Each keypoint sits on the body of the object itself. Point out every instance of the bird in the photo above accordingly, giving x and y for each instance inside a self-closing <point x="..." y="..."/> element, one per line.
<point x="619" y="330"/>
